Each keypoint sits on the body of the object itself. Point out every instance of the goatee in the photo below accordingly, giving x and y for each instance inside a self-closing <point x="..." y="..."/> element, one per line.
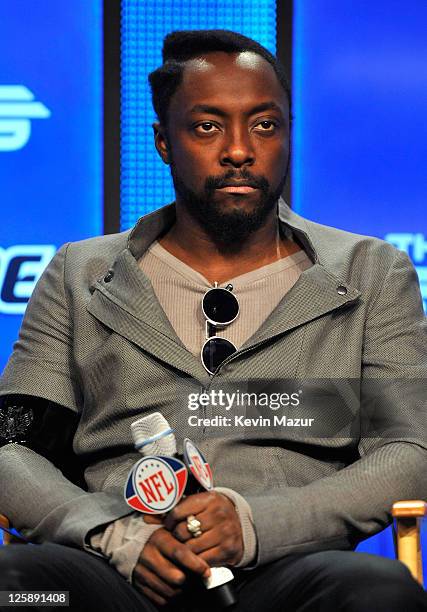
<point x="231" y="228"/>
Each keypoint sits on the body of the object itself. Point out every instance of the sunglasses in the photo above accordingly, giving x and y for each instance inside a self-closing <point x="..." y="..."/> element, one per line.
<point x="220" y="308"/>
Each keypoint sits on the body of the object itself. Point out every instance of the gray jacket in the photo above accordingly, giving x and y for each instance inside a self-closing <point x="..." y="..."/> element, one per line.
<point x="99" y="344"/>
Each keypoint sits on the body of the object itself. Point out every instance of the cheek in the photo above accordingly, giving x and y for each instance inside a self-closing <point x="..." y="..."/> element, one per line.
<point x="282" y="160"/>
<point x="274" y="161"/>
<point x="271" y="149"/>
<point x="192" y="166"/>
<point x="190" y="171"/>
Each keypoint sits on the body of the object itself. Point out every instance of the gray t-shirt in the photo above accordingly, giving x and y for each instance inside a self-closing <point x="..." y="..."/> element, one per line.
<point x="258" y="293"/>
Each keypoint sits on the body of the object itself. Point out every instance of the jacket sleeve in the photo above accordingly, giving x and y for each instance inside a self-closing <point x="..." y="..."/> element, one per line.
<point x="45" y="506"/>
<point x="340" y="510"/>
<point x="35" y="495"/>
<point x="41" y="363"/>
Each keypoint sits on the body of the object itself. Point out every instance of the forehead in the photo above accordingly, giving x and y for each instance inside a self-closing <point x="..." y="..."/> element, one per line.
<point x="232" y="80"/>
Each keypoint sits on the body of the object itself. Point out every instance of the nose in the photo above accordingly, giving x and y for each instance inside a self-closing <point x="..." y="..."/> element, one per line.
<point x="238" y="150"/>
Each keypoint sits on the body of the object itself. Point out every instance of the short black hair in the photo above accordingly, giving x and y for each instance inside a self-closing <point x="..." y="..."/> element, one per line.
<point x="182" y="45"/>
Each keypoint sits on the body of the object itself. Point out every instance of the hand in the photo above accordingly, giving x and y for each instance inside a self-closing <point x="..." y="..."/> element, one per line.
<point x="153" y="519"/>
<point x="160" y="571"/>
<point x="221" y="542"/>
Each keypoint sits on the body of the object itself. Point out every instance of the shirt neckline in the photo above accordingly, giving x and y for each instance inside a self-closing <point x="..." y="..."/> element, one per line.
<point x="157" y="250"/>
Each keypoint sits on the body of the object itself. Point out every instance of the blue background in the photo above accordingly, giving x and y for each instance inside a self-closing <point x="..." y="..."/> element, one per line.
<point x="51" y="189"/>
<point x="360" y="129"/>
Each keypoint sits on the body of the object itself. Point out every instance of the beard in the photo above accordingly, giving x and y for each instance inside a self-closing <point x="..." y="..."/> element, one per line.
<point x="228" y="229"/>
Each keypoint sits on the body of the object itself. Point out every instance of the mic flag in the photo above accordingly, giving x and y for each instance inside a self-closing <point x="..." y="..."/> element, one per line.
<point x="155" y="484"/>
<point x="198" y="465"/>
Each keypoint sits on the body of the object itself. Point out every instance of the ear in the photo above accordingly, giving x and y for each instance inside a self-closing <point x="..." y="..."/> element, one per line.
<point x="161" y="142"/>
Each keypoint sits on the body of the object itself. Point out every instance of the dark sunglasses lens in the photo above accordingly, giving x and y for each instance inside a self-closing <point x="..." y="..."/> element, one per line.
<point x="220" y="306"/>
<point x="215" y="351"/>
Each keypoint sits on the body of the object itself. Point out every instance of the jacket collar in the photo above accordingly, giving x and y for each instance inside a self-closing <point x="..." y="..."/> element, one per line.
<point x="150" y="227"/>
<point x="319" y="289"/>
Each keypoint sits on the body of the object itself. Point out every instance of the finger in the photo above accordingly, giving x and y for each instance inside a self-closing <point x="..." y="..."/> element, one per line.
<point x="226" y="541"/>
<point x="145" y="577"/>
<point x="153" y="519"/>
<point x="226" y="537"/>
<point x="204" y="542"/>
<point x="181" y="555"/>
<point x="208" y="520"/>
<point x="164" y="544"/>
<point x="181" y="533"/>
<point x="193" y="504"/>
<point x="153" y="559"/>
<point x="155" y="598"/>
<point x="219" y="556"/>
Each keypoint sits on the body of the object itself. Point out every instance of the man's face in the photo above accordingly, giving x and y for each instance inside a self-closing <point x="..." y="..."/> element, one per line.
<point x="227" y="141"/>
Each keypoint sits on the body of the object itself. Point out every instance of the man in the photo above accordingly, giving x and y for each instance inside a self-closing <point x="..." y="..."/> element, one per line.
<point x="115" y="330"/>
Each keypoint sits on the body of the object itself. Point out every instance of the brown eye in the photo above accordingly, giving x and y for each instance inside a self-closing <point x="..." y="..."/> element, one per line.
<point x="205" y="127"/>
<point x="267" y="126"/>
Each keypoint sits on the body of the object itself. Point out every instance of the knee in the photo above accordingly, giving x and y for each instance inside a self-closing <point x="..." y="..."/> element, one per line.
<point x="363" y="567"/>
<point x="18" y="571"/>
<point x="366" y="582"/>
<point x="390" y="584"/>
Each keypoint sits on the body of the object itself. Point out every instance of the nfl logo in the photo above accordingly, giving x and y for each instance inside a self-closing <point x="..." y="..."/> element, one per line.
<point x="156" y="484"/>
<point x="198" y="465"/>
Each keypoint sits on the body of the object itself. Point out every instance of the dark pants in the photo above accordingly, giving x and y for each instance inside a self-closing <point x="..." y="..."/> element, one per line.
<point x="315" y="582"/>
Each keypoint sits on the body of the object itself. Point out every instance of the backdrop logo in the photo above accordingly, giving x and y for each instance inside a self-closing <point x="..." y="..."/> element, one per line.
<point x="20" y="268"/>
<point x="415" y="245"/>
<point x="17" y="107"/>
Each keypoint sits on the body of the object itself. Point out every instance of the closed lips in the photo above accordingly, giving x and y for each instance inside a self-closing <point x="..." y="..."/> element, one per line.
<point x="238" y="188"/>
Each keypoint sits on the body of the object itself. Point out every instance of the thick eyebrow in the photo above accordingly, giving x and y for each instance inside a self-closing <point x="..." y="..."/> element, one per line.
<point x="214" y="110"/>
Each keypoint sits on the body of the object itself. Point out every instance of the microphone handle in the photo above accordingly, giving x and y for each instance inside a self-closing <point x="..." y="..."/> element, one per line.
<point x="220" y="583"/>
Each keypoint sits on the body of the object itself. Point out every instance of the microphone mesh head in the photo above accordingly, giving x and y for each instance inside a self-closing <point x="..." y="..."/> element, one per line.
<point x="151" y="426"/>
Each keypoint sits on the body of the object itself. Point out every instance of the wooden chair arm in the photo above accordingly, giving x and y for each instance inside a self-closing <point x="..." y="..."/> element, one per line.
<point x="4" y="522"/>
<point x="408" y="515"/>
<point x="9" y="538"/>
<point x="409" y="508"/>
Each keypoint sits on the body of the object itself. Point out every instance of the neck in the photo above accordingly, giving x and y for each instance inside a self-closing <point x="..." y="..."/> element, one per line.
<point x="189" y="242"/>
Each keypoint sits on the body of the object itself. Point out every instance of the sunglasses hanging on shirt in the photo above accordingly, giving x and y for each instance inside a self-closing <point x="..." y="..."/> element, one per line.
<point x="220" y="308"/>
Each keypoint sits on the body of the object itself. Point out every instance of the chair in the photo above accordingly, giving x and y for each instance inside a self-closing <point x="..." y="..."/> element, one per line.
<point x="8" y="538"/>
<point x="408" y="515"/>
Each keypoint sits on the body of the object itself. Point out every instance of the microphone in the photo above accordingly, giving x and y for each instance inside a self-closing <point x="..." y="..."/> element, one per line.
<point x="157" y="482"/>
<point x="152" y="435"/>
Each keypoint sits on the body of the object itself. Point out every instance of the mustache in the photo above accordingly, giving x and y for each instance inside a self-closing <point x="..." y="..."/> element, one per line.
<point x="217" y="182"/>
